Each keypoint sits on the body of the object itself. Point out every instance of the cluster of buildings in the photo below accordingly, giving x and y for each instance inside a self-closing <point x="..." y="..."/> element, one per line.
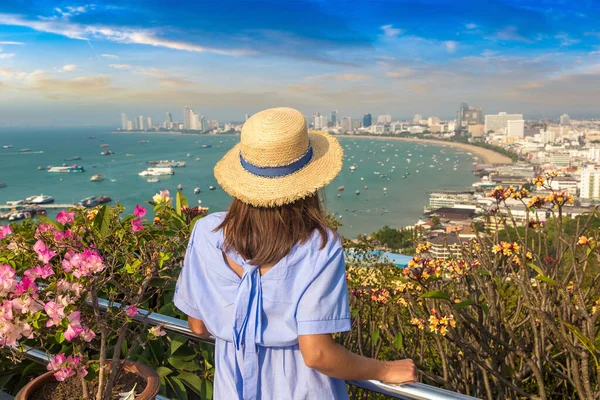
<point x="192" y="122"/>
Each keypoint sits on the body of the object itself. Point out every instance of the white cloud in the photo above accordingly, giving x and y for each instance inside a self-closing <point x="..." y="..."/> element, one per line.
<point x="401" y="73"/>
<point x="565" y="39"/>
<point x="511" y="33"/>
<point x="154" y="72"/>
<point x="471" y="26"/>
<point x="9" y="42"/>
<point x="118" y="35"/>
<point x="4" y="56"/>
<point x="451" y="46"/>
<point x="111" y="56"/>
<point x="389" y="30"/>
<point x="69" y="68"/>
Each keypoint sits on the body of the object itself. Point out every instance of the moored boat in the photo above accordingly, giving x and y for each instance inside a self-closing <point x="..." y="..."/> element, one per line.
<point x="67" y="168"/>
<point x="157" y="171"/>
<point x="97" y="178"/>
<point x="107" y="153"/>
<point x="152" y="180"/>
<point x="40" y="199"/>
<point x="196" y="190"/>
<point x="211" y="188"/>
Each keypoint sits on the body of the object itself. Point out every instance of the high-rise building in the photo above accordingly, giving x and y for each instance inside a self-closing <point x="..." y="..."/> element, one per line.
<point x="417" y="118"/>
<point x="169" y="118"/>
<point x="123" y="121"/>
<point x="334" y="118"/>
<point x="204" y="124"/>
<point x="186" y="118"/>
<point x="346" y="124"/>
<point x="136" y="124"/>
<point x="516" y="128"/>
<point x="590" y="182"/>
<point x="433" y="121"/>
<point x="468" y="116"/>
<point x="498" y="123"/>
<point x="356" y="124"/>
<point x="384" y="119"/>
<point x="141" y="124"/>
<point x="319" y="121"/>
<point x="367" y="120"/>
<point x="130" y="125"/>
<point x="565" y="120"/>
<point x="149" y="120"/>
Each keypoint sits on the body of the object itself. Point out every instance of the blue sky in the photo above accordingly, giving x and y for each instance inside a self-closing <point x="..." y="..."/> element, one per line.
<point x="67" y="62"/>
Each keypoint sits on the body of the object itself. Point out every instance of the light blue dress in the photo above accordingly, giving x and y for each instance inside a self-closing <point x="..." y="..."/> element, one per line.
<point x="256" y="319"/>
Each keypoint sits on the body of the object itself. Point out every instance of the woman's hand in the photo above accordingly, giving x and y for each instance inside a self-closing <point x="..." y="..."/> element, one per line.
<point x="400" y="371"/>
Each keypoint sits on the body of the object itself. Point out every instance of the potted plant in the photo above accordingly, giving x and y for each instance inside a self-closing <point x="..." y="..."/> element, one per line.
<point x="55" y="276"/>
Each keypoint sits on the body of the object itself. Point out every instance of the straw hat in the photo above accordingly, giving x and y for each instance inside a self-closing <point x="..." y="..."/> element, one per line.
<point x="278" y="161"/>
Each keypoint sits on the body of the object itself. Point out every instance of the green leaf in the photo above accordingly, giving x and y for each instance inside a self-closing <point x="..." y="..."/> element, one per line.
<point x="102" y="220"/>
<point x="164" y="371"/>
<point x="584" y="340"/>
<point x="485" y="308"/>
<point x="180" y="201"/>
<point x="192" y="381"/>
<point x="177" y="387"/>
<point x="536" y="268"/>
<point x="181" y="364"/>
<point x="163" y="257"/>
<point x="176" y="342"/>
<point x="207" y="389"/>
<point x="546" y="279"/>
<point x="60" y="337"/>
<point x="374" y="337"/>
<point x="124" y="348"/>
<point x="435" y="294"/>
<point x="399" y="342"/>
<point x="463" y="304"/>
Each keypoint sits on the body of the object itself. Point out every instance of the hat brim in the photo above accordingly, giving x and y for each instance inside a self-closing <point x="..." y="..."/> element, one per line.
<point x="258" y="191"/>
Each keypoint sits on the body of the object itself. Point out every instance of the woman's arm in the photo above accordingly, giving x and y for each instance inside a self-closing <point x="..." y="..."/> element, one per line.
<point x="197" y="326"/>
<point x="320" y="352"/>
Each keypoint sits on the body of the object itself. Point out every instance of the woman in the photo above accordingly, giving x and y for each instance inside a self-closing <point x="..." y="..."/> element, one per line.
<point x="267" y="279"/>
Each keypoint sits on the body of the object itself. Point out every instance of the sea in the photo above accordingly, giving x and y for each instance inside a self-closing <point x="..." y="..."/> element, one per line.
<point x="389" y="183"/>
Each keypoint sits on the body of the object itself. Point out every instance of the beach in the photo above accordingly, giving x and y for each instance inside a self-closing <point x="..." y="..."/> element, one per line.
<point x="486" y="156"/>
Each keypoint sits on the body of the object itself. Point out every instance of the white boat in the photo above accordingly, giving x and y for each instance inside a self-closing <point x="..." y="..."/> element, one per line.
<point x="66" y="168"/>
<point x="352" y="168"/>
<point x="152" y="180"/>
<point x="97" y="178"/>
<point x="41" y="199"/>
<point x="385" y="189"/>
<point x="211" y="188"/>
<point x="157" y="171"/>
<point x="180" y="187"/>
<point x="196" y="190"/>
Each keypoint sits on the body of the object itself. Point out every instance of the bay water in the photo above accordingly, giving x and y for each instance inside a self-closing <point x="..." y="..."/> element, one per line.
<point x="398" y="175"/>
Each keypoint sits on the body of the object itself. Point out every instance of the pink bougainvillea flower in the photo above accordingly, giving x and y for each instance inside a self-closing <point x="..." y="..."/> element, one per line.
<point x="139" y="211"/>
<point x="136" y="224"/>
<point x="7" y="280"/>
<point x="131" y="311"/>
<point x="39" y="272"/>
<point x="66" y="367"/>
<point x="56" y="313"/>
<point x="64" y="217"/>
<point x="82" y="264"/>
<point x="156" y="331"/>
<point x="74" y="328"/>
<point x="5" y="231"/>
<point x="43" y="252"/>
<point x="26" y="285"/>
<point x="87" y="335"/>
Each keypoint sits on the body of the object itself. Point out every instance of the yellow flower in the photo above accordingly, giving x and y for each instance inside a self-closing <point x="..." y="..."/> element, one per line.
<point x="163" y="197"/>
<point x="91" y="215"/>
<point x="583" y="241"/>
<point x="539" y="180"/>
<point x="423" y="247"/>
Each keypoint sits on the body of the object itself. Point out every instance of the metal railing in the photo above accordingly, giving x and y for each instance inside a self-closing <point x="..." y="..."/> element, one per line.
<point x="413" y="391"/>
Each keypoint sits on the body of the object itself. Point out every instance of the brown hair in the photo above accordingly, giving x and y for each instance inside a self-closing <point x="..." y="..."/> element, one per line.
<point x="264" y="235"/>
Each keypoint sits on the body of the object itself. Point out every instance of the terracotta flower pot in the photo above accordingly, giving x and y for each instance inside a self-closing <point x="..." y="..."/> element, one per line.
<point x="149" y="393"/>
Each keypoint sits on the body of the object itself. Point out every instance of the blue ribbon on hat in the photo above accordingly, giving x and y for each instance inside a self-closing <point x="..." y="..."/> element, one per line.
<point x="278" y="172"/>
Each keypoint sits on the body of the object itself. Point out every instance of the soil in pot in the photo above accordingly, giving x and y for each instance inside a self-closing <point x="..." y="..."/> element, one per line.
<point x="71" y="388"/>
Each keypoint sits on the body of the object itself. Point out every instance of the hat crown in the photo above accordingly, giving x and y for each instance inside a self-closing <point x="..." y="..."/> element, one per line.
<point x="274" y="137"/>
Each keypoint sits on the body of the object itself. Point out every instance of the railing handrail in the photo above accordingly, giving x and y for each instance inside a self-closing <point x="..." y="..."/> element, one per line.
<point x="412" y="391"/>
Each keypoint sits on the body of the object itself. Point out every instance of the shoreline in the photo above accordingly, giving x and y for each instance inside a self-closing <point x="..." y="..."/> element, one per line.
<point x="486" y="156"/>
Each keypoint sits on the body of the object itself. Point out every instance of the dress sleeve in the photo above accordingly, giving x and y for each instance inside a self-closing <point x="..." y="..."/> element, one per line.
<point x="323" y="306"/>
<point x="185" y="295"/>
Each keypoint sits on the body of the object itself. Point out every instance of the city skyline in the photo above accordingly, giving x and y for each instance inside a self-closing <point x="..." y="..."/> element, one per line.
<point x="82" y="63"/>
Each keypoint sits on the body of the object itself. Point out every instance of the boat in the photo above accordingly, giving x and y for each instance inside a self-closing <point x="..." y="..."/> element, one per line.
<point x="357" y="192"/>
<point x="340" y="189"/>
<point x="385" y="189"/>
<point x="211" y="188"/>
<point x="188" y="155"/>
<point x="40" y="199"/>
<point x="157" y="171"/>
<point x="107" y="153"/>
<point x="129" y="155"/>
<point x="94" y="201"/>
<point x="40" y="168"/>
<point x="199" y="201"/>
<point x="196" y="190"/>
<point x="97" y="178"/>
<point x="172" y="164"/>
<point x="143" y="141"/>
<point x="73" y="158"/>
<point x="339" y="195"/>
<point x="105" y="145"/>
<point x="25" y="151"/>
<point x="152" y="180"/>
<point x="7" y="146"/>
<point x="366" y="187"/>
<point x="180" y="187"/>
<point x="65" y="169"/>
<point x="197" y="159"/>
<point x="352" y="168"/>
<point x="206" y="146"/>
